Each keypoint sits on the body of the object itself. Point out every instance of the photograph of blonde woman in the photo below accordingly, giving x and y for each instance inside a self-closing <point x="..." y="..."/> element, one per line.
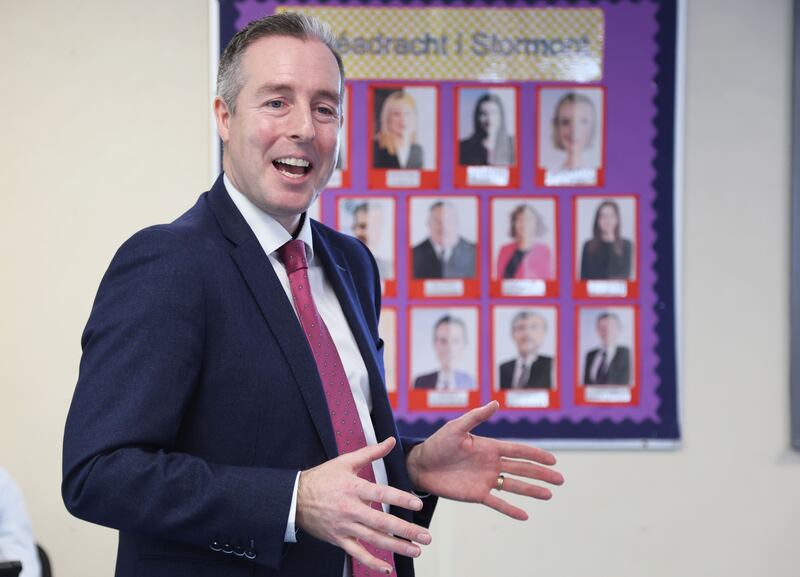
<point x="574" y="128"/>
<point x="396" y="144"/>
<point x="571" y="135"/>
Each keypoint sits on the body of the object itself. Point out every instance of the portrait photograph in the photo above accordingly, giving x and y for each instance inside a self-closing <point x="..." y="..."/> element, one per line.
<point x="605" y="238"/>
<point x="570" y="135"/>
<point x="387" y="330"/>
<point x="404" y="121"/>
<point x="523" y="239"/>
<point x="443" y="233"/>
<point x="341" y="173"/>
<point x="524" y="347"/>
<point x="487" y="126"/>
<point x="371" y="219"/>
<point x="444" y="348"/>
<point x="606" y="345"/>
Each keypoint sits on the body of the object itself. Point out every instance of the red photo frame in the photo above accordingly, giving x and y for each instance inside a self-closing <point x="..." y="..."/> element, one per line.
<point x="341" y="178"/>
<point x="608" y="395"/>
<point x="389" y="284"/>
<point x="546" y="176"/>
<point x="380" y="177"/>
<point x="523" y="287"/>
<point x="610" y="288"/>
<point x="485" y="174"/>
<point x="526" y="399"/>
<point x="438" y="287"/>
<point x="391" y="354"/>
<point x="442" y="400"/>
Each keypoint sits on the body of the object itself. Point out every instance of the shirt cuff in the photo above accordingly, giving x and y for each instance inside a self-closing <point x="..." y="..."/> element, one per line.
<point x="291" y="532"/>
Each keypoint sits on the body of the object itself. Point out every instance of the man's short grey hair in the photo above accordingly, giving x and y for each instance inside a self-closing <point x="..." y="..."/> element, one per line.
<point x="524" y="316"/>
<point x="292" y="24"/>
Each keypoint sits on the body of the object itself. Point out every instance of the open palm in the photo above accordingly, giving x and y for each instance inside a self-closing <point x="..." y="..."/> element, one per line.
<point x="455" y="464"/>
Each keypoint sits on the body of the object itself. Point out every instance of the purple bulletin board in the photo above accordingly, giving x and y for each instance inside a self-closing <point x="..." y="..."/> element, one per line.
<point x="556" y="294"/>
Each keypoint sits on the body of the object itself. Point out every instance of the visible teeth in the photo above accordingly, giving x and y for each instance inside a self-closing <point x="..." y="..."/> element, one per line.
<point x="294" y="162"/>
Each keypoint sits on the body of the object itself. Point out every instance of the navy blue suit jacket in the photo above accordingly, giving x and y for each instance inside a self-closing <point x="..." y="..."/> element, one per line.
<point x="198" y="400"/>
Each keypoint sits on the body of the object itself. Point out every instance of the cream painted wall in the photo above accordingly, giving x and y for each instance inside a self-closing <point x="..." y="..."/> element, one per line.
<point x="106" y="120"/>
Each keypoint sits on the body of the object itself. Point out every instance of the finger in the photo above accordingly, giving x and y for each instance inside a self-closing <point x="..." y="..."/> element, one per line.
<point x="391" y="525"/>
<point x="521" y="451"/>
<point x="511" y="485"/>
<point x="531" y="471"/>
<point x="386" y="542"/>
<point x="475" y="417"/>
<point x="374" y="493"/>
<point x="360" y="555"/>
<point x="505" y="507"/>
<point x="366" y="455"/>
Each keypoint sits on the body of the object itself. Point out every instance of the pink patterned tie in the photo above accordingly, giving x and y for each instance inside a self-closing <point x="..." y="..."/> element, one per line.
<point x="342" y="407"/>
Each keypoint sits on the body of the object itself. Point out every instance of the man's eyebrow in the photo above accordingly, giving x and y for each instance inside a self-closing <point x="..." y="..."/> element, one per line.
<point x="266" y="89"/>
<point x="330" y="95"/>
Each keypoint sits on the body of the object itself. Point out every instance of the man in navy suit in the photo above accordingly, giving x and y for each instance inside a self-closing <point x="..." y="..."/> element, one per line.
<point x="199" y="427"/>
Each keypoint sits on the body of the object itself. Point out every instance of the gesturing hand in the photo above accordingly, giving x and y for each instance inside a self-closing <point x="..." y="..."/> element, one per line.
<point x="456" y="464"/>
<point x="333" y="504"/>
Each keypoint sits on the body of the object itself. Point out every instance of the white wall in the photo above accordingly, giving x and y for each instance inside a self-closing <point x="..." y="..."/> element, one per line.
<point x="105" y="116"/>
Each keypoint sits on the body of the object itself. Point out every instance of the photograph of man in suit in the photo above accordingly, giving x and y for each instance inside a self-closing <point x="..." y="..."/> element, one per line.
<point x="449" y="344"/>
<point x="368" y="226"/>
<point x="230" y="415"/>
<point x="610" y="363"/>
<point x="530" y="369"/>
<point x="444" y="254"/>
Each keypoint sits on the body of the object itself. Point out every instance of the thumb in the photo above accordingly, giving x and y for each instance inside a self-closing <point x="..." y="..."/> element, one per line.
<point x="366" y="455"/>
<point x="475" y="417"/>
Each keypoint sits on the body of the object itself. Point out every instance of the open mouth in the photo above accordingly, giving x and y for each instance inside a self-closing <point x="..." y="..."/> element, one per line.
<point x="292" y="167"/>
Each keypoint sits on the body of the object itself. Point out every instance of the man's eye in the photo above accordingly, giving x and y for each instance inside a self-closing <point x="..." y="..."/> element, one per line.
<point x="274" y="104"/>
<point x="326" y="111"/>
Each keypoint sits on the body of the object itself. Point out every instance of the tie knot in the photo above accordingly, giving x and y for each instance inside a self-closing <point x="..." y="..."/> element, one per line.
<point x="293" y="255"/>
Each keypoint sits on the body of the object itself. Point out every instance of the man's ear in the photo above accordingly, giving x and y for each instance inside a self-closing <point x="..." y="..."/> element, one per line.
<point x="223" y="116"/>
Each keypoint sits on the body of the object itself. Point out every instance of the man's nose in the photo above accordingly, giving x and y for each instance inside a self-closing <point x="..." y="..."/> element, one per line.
<point x="301" y="124"/>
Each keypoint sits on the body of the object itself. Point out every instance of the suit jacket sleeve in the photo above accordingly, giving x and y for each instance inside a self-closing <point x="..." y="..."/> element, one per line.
<point x="141" y="363"/>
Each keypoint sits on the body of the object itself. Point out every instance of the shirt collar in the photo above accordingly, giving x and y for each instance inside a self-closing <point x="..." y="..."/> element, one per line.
<point x="270" y="233"/>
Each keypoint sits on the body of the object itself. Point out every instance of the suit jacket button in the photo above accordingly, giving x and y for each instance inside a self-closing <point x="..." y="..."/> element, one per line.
<point x="250" y="553"/>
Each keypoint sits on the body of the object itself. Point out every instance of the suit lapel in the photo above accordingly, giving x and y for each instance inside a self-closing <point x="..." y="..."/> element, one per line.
<point x="382" y="417"/>
<point x="341" y="280"/>
<point x="257" y="272"/>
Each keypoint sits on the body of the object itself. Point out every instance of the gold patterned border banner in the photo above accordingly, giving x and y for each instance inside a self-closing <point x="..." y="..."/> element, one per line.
<point x="495" y="45"/>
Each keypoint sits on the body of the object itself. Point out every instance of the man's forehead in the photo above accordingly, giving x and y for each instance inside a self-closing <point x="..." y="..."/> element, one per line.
<point x="269" y="60"/>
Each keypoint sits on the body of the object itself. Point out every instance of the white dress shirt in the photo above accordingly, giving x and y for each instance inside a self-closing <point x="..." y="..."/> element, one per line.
<point x="598" y="360"/>
<point x="527" y="363"/>
<point x="271" y="235"/>
<point x="16" y="535"/>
